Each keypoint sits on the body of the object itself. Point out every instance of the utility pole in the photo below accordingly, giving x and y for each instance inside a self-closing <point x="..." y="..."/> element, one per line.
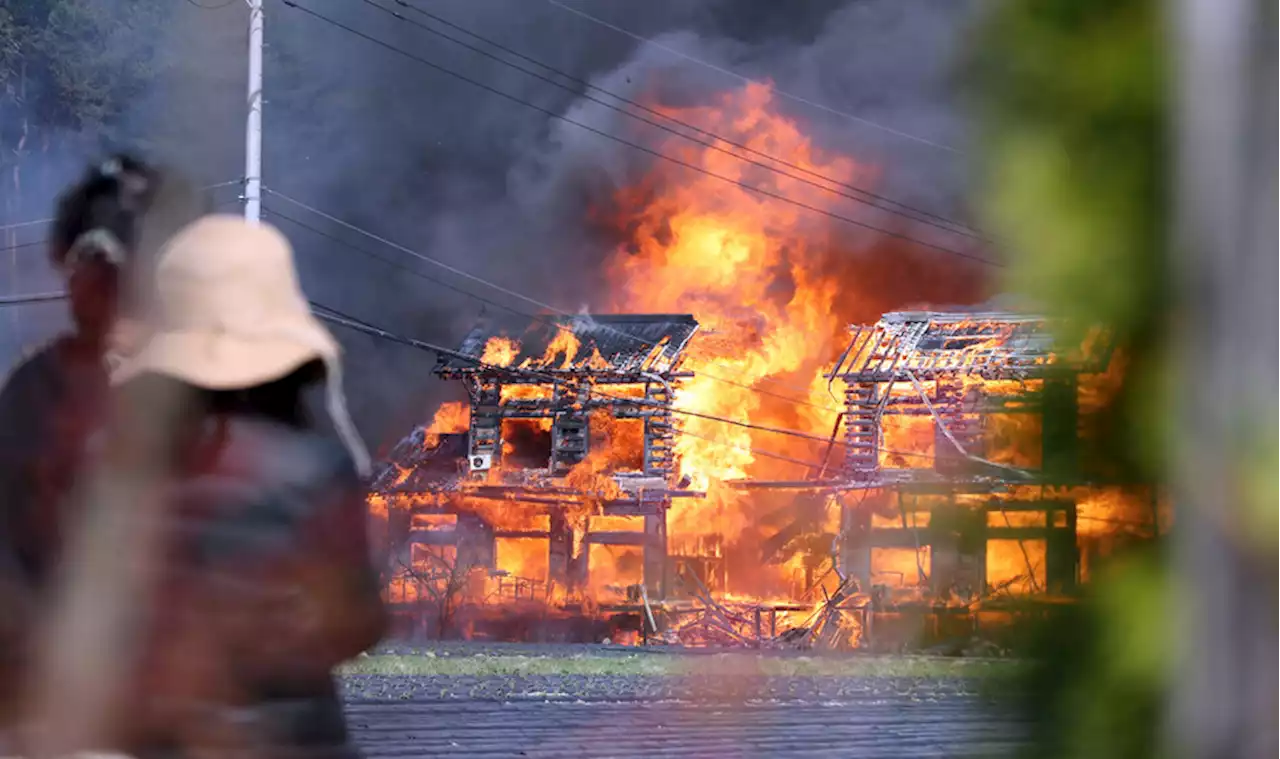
<point x="253" y="127"/>
<point x="1224" y="699"/>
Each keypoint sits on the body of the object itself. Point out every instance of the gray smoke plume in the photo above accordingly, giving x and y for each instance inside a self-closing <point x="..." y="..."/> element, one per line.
<point x="504" y="191"/>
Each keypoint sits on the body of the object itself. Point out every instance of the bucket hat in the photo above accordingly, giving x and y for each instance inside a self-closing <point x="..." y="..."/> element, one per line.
<point x="228" y="314"/>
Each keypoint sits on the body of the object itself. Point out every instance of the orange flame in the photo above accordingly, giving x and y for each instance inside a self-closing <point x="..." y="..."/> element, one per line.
<point x="755" y="276"/>
<point x="564" y="344"/>
<point x="500" y="351"/>
<point x="451" y="417"/>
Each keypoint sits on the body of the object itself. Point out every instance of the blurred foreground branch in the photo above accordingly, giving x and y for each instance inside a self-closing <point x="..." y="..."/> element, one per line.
<point x="1225" y="436"/>
<point x="91" y="644"/>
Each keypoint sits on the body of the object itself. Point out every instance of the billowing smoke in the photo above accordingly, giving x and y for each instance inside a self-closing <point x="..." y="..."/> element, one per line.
<point x="504" y="191"/>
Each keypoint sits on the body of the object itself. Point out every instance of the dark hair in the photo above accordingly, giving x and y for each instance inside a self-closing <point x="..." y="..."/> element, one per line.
<point x="112" y="196"/>
<point x="280" y="400"/>
<point x="283" y="400"/>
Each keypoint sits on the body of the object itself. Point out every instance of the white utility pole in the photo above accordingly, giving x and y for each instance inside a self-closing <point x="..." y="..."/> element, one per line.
<point x="253" y="127"/>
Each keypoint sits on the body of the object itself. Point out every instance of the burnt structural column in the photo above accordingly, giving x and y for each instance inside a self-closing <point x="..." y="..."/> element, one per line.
<point x="855" y="529"/>
<point x="862" y="430"/>
<point x="655" y="552"/>
<point x="960" y="412"/>
<point x="570" y="429"/>
<point x="475" y="542"/>
<point x="862" y="465"/>
<point x="659" y="430"/>
<point x="484" y="439"/>
<point x="959" y="563"/>
<point x="559" y="548"/>
<point x="1060" y="425"/>
<point x="659" y="461"/>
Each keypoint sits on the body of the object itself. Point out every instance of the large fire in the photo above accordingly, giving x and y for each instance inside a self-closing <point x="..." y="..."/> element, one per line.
<point x="774" y="288"/>
<point x="765" y="280"/>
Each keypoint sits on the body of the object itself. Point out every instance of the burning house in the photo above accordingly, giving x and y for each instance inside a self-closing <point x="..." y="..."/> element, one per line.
<point x="966" y="481"/>
<point x="557" y="491"/>
<point x="700" y="472"/>
<point x="960" y="484"/>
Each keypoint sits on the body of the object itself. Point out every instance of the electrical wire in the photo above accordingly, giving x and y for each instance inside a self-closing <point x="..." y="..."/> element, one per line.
<point x="47" y="220"/>
<point x="636" y="146"/>
<point x="21" y="224"/>
<point x="354" y="323"/>
<point x="21" y="245"/>
<point x="923" y="217"/>
<point x="351" y="322"/>
<point x="359" y="325"/>
<point x="506" y="291"/>
<point x="346" y="320"/>
<point x="391" y="262"/>
<point x="533" y="317"/>
<point x="685" y="412"/>
<point x="22" y="300"/>
<point x="747" y="80"/>
<point x="456" y="354"/>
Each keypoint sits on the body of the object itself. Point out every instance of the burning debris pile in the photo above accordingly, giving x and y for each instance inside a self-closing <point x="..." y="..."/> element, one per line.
<point x="680" y="466"/>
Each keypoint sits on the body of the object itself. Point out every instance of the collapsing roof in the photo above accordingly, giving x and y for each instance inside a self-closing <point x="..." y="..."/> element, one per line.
<point x="994" y="345"/>
<point x="594" y="344"/>
<point x="421" y="462"/>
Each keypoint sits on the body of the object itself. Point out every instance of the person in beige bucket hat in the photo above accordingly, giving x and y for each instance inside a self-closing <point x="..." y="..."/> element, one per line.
<point x="229" y="314"/>
<point x="266" y="581"/>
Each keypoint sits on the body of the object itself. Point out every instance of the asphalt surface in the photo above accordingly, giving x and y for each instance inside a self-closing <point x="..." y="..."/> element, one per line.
<point x="664" y="716"/>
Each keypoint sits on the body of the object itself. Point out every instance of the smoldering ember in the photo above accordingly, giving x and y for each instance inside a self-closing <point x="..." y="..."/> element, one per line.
<point x="734" y="454"/>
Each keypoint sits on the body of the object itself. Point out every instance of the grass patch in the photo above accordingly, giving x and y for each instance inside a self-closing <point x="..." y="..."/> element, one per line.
<point x="657" y="664"/>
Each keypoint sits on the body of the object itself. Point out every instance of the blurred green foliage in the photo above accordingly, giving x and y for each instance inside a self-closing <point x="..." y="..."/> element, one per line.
<point x="1073" y="159"/>
<point x="1070" y="98"/>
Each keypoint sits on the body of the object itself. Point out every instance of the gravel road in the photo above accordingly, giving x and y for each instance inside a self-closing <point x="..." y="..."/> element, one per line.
<point x="661" y="716"/>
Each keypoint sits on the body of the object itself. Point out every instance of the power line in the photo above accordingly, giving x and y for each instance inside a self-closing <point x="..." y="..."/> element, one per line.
<point x="427" y="277"/>
<point x="20" y="224"/>
<point x="337" y="317"/>
<point x="940" y="222"/>
<point x="529" y="372"/>
<point x="20" y="245"/>
<point x="505" y="291"/>
<point x="363" y="326"/>
<point x="359" y="325"/>
<point x="410" y="251"/>
<point x="636" y="146"/>
<point x="343" y="319"/>
<point x="396" y="264"/>
<point x="526" y="315"/>
<point x="368" y="328"/>
<point x="748" y="80"/>
<point x="346" y="320"/>
<point x="49" y="219"/>
<point x="22" y="300"/>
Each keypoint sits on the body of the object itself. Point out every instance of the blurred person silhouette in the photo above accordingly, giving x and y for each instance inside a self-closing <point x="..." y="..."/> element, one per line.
<point x="54" y="401"/>
<point x="262" y="581"/>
